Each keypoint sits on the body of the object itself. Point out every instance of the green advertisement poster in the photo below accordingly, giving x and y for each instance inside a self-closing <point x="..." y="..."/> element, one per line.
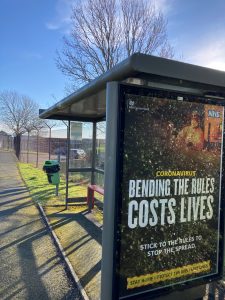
<point x="170" y="192"/>
<point x="76" y="131"/>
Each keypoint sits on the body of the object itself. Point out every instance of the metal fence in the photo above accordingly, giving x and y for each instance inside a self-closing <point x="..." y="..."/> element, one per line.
<point x="6" y="141"/>
<point x="37" y="146"/>
<point x="40" y="145"/>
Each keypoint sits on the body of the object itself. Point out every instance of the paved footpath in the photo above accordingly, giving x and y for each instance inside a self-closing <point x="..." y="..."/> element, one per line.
<point x="30" y="267"/>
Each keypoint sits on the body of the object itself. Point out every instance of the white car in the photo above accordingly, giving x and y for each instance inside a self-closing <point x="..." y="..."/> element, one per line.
<point x="77" y="153"/>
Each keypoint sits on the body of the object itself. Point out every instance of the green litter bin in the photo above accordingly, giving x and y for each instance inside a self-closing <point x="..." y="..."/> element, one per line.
<point x="52" y="168"/>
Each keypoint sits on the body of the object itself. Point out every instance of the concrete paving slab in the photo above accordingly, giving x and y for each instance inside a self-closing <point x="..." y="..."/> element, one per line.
<point x="81" y="241"/>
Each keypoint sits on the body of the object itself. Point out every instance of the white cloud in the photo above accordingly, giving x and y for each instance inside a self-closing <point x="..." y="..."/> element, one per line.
<point x="62" y="16"/>
<point x="209" y="51"/>
<point x="52" y="25"/>
<point x="164" y="6"/>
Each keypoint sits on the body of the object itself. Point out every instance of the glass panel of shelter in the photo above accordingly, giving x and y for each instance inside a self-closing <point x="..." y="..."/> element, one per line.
<point x="80" y="154"/>
<point x="86" y="157"/>
<point x="100" y="146"/>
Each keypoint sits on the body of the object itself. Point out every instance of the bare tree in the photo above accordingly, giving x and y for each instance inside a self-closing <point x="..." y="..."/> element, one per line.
<point x="18" y="112"/>
<point x="144" y="29"/>
<point x="105" y="32"/>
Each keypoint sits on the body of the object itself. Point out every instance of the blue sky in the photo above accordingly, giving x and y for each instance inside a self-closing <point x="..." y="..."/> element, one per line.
<point x="32" y="30"/>
<point x="197" y="30"/>
<point x="28" y="46"/>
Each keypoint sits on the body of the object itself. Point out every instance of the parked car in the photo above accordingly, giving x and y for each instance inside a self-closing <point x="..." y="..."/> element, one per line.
<point x="77" y="153"/>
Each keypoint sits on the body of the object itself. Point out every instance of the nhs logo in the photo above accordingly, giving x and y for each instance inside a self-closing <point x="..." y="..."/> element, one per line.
<point x="213" y="113"/>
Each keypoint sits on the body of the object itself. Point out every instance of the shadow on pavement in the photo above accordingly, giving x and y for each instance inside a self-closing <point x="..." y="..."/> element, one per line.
<point x="29" y="271"/>
<point x="90" y="274"/>
<point x="92" y="230"/>
<point x="35" y="234"/>
<point x="15" y="200"/>
<point x="12" y="210"/>
<point x="18" y="227"/>
<point x="82" y="245"/>
<point x="12" y="192"/>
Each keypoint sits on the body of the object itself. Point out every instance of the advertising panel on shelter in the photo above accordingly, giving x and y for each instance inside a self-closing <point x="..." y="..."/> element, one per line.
<point x="170" y="190"/>
<point x="76" y="131"/>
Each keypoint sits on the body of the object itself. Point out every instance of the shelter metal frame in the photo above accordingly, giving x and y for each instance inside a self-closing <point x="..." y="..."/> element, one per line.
<point x="91" y="169"/>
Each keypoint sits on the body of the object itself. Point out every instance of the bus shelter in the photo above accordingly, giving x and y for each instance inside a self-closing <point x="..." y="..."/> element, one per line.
<point x="163" y="174"/>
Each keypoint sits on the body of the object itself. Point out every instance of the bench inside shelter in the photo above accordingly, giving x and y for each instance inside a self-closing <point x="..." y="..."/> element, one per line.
<point x="91" y="189"/>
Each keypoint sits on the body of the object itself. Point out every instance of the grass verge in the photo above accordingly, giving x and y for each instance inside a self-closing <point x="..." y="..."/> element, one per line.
<point x="44" y="193"/>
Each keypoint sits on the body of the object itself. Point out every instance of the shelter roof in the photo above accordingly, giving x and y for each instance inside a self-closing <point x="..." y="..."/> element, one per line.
<point x="89" y="102"/>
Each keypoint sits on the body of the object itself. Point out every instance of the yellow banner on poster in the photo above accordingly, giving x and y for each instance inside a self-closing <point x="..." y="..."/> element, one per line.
<point x="139" y="281"/>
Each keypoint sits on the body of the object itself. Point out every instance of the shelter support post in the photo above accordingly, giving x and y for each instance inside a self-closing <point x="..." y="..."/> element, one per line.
<point x="93" y="153"/>
<point x="67" y="163"/>
<point x="109" y="187"/>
